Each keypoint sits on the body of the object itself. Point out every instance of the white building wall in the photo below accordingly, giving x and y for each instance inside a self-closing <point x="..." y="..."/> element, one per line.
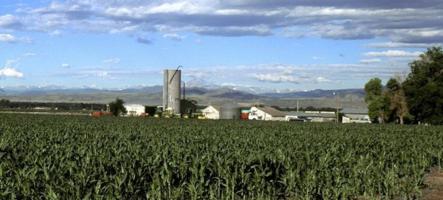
<point x="134" y="109"/>
<point x="211" y="113"/>
<point x="356" y="119"/>
<point x="257" y="114"/>
<point x="278" y="119"/>
<point x="290" y="117"/>
<point x="345" y="120"/>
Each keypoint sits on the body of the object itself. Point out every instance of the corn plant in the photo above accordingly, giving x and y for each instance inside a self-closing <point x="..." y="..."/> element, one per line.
<point x="75" y="157"/>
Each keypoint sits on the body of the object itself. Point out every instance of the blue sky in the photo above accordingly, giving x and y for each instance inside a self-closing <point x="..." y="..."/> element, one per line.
<point x="268" y="45"/>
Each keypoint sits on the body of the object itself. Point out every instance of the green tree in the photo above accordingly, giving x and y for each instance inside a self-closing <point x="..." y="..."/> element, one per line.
<point x="373" y="89"/>
<point x="117" y="107"/>
<point x="4" y="103"/>
<point x="188" y="106"/>
<point x="424" y="87"/>
<point x="393" y="85"/>
<point x="151" y="110"/>
<point x="378" y="104"/>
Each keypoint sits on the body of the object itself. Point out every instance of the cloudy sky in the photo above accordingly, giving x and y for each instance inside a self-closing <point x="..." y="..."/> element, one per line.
<point x="278" y="44"/>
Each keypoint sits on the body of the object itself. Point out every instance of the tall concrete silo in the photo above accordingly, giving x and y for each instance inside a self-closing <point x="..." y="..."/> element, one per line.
<point x="230" y="111"/>
<point x="172" y="90"/>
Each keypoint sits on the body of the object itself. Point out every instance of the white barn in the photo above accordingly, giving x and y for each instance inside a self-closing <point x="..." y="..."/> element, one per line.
<point x="134" y="109"/>
<point x="211" y="112"/>
<point x="266" y="113"/>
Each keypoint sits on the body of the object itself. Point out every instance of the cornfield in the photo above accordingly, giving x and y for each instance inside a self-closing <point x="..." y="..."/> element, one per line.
<point x="75" y="157"/>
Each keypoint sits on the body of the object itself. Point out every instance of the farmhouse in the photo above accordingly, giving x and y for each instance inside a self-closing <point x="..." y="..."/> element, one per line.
<point x="135" y="109"/>
<point x="211" y="112"/>
<point x="355" y="116"/>
<point x="266" y="113"/>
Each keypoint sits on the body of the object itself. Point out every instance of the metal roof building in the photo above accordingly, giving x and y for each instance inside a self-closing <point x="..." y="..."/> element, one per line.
<point x="266" y="113"/>
<point x="312" y="116"/>
<point x="351" y="115"/>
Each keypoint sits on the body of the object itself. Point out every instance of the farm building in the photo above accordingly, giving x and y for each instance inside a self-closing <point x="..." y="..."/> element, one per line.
<point x="135" y="109"/>
<point x="311" y="116"/>
<point x="266" y="113"/>
<point x="211" y="112"/>
<point x="227" y="111"/>
<point x="355" y="116"/>
<point x="244" y="113"/>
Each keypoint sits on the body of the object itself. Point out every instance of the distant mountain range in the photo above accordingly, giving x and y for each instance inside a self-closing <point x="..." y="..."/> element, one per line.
<point x="152" y="95"/>
<point x="318" y="93"/>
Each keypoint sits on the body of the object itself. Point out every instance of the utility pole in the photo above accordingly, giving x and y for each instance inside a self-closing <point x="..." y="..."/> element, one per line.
<point x="336" y="106"/>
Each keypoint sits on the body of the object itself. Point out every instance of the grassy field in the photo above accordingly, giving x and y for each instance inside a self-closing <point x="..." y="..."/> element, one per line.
<point x="77" y="157"/>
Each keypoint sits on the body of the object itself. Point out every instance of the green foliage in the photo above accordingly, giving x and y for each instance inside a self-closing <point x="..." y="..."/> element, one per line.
<point x="117" y="107"/>
<point x="378" y="108"/>
<point x="378" y="103"/>
<point x="188" y="106"/>
<point x="23" y="105"/>
<point x="393" y="85"/>
<point x="423" y="87"/>
<point x="373" y="89"/>
<point x="76" y="157"/>
<point x="151" y="110"/>
<point x="4" y="102"/>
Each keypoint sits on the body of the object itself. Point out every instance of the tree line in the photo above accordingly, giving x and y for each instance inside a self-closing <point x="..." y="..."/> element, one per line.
<point x="6" y="104"/>
<point x="416" y="99"/>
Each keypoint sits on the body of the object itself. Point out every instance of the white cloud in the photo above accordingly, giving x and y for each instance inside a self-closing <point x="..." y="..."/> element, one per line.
<point x="144" y="40"/>
<point x="407" y="24"/>
<point x="393" y="53"/>
<point x="321" y="79"/>
<point x="29" y="54"/>
<point x="232" y="12"/>
<point x="277" y="78"/>
<point x="105" y="73"/>
<point x="65" y="65"/>
<point x="173" y="36"/>
<point x="234" y="31"/>
<point x="9" y="21"/>
<point x="55" y="33"/>
<point x="12" y="62"/>
<point x="102" y="74"/>
<point x="400" y="21"/>
<point x="10" y="72"/>
<point x="402" y="45"/>
<point x="8" y="38"/>
<point x="370" y="61"/>
<point x="186" y="7"/>
<point x="111" y="61"/>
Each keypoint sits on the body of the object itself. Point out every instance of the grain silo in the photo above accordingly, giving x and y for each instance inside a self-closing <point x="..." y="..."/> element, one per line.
<point x="172" y="91"/>
<point x="230" y="111"/>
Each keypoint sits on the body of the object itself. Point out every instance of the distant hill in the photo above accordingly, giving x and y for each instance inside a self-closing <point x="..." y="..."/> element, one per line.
<point x="196" y="91"/>
<point x="152" y="95"/>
